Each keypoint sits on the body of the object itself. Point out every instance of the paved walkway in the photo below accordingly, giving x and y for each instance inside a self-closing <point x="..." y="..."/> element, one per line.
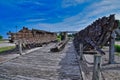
<point x="42" y="65"/>
<point x="6" y="43"/>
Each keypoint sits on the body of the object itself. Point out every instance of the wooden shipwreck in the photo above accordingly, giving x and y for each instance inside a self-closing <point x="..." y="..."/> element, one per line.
<point x="32" y="35"/>
<point x="96" y="35"/>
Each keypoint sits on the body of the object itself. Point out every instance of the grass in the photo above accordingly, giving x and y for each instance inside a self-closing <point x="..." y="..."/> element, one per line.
<point x="1" y="41"/>
<point x="3" y="49"/>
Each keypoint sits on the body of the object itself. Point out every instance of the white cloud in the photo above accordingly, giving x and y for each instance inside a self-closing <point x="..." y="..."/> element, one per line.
<point x="68" y="3"/>
<point x="117" y="16"/>
<point x="34" y="20"/>
<point x="86" y="17"/>
<point x="105" y="7"/>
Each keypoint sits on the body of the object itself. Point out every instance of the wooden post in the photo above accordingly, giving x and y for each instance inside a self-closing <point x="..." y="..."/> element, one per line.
<point x="97" y="67"/>
<point x="20" y="47"/>
<point x="81" y="51"/>
<point x="111" y="48"/>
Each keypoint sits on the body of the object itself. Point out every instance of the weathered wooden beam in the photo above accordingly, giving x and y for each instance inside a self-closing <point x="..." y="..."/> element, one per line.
<point x="112" y="48"/>
<point x="97" y="67"/>
<point x="81" y="51"/>
<point x="20" y="47"/>
<point x="59" y="46"/>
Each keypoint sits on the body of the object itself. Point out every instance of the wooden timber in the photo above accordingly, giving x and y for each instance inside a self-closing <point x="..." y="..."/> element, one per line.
<point x="58" y="47"/>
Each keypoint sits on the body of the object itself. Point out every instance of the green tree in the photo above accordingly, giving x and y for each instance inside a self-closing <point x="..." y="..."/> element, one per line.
<point x="1" y="37"/>
<point x="59" y="37"/>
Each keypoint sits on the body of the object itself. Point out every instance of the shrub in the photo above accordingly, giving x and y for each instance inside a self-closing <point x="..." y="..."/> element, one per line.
<point x="117" y="48"/>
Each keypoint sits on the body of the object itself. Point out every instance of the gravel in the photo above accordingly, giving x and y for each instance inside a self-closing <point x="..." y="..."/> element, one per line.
<point x="108" y="71"/>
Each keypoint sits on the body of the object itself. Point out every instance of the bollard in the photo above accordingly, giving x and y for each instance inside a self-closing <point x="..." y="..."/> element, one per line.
<point x="20" y="47"/>
<point x="81" y="51"/>
<point x="97" y="67"/>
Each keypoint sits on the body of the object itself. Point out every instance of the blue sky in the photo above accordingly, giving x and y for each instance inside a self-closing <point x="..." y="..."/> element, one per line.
<point x="54" y="15"/>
